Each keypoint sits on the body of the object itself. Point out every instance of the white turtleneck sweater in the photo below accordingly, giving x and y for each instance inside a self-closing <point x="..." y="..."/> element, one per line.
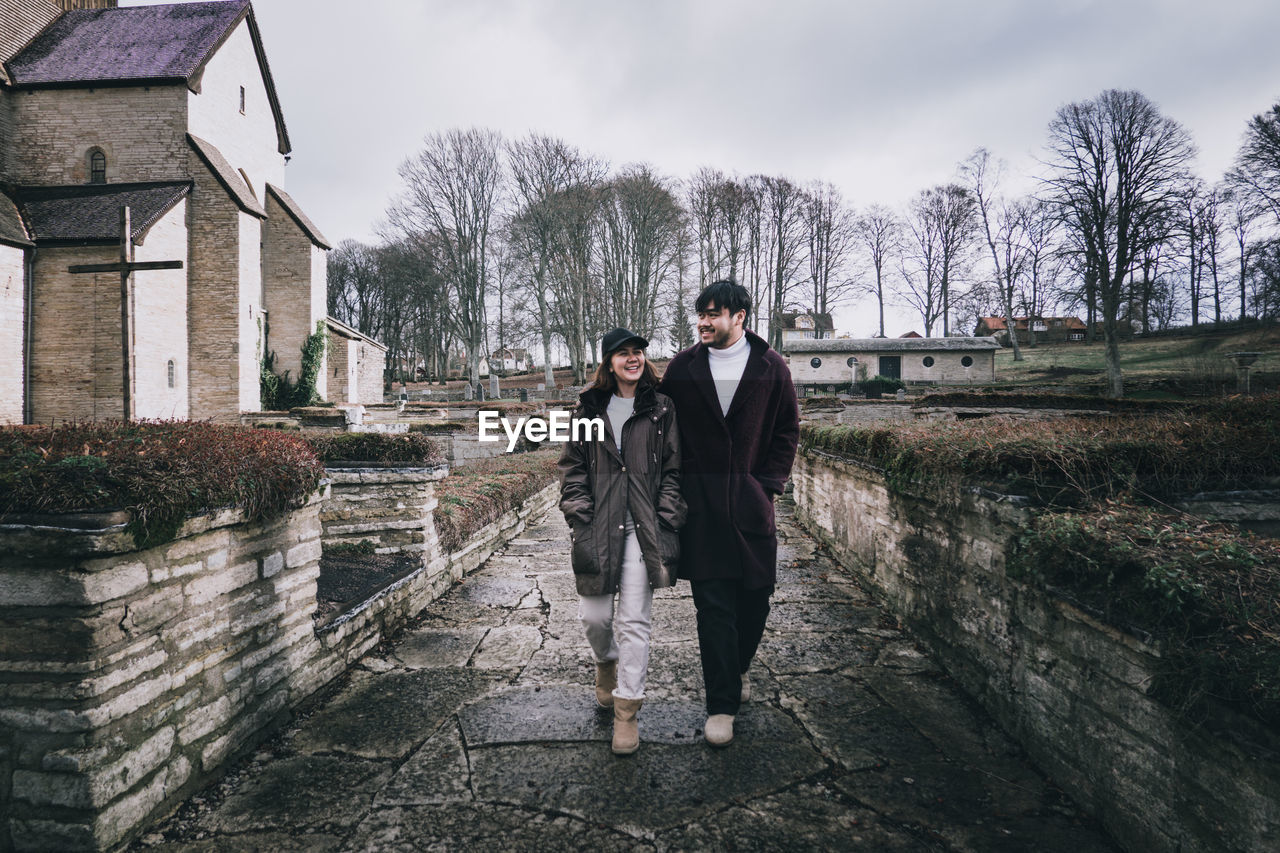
<point x="727" y="367"/>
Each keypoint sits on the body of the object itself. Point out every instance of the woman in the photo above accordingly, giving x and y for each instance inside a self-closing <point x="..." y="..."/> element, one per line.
<point x="621" y="497"/>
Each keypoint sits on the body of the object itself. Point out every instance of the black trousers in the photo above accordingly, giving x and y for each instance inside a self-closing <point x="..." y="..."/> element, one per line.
<point x="730" y="623"/>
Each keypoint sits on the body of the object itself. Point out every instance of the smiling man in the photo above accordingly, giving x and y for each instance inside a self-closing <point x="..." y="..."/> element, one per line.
<point x="739" y="426"/>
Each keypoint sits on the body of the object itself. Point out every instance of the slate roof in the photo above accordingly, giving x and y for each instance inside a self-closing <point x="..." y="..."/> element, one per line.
<point x="136" y="45"/>
<point x="90" y="213"/>
<point x="890" y="345"/>
<point x="821" y="322"/>
<point x="346" y="331"/>
<point x="139" y="43"/>
<point x="12" y="231"/>
<point x="227" y="176"/>
<point x="304" y="222"/>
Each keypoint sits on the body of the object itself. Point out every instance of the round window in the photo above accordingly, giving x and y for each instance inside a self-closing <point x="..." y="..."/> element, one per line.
<point x="815" y="363"/>
<point x="967" y="361"/>
<point x="851" y="362"/>
<point x="928" y="361"/>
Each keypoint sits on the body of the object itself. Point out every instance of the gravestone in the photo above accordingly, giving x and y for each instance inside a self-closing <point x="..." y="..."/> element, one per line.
<point x="493" y="386"/>
<point x="524" y="395"/>
<point x="470" y="392"/>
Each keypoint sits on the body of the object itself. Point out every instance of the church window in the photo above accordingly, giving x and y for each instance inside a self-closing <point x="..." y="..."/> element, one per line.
<point x="97" y="167"/>
<point x="242" y="100"/>
<point x="172" y="375"/>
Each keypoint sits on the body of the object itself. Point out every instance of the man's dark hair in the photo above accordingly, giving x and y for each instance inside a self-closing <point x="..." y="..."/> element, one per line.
<point x="725" y="294"/>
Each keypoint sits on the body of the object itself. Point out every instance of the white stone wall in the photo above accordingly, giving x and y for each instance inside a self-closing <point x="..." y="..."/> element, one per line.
<point x="1073" y="691"/>
<point x="249" y="313"/>
<point x="160" y="321"/>
<point x="12" y="325"/>
<point x="371" y="368"/>
<point x="248" y="140"/>
<point x="947" y="368"/>
<point x="142" y="132"/>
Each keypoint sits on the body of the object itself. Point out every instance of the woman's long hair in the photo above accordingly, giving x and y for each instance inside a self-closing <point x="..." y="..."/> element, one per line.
<point x="604" y="379"/>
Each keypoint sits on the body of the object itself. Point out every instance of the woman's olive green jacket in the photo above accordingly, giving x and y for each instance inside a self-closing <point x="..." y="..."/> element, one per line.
<point x="598" y="484"/>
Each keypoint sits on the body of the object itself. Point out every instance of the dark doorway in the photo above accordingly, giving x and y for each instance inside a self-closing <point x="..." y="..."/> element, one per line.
<point x="891" y="366"/>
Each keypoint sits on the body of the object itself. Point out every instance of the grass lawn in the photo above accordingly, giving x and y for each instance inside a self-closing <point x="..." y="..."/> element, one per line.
<point x="1195" y="361"/>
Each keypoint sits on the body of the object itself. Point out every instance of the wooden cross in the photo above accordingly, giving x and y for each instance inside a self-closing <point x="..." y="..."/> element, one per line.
<point x="126" y="267"/>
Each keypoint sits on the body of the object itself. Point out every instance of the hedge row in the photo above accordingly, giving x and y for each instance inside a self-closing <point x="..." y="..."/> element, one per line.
<point x="407" y="448"/>
<point x="481" y="492"/>
<point x="1074" y="462"/>
<point x="1007" y="399"/>
<point x="160" y="472"/>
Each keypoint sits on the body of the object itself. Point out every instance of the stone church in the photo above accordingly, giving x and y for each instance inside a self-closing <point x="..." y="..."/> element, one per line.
<point x="170" y="111"/>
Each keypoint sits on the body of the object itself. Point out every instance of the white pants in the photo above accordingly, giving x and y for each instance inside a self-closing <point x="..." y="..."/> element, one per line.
<point x="630" y="646"/>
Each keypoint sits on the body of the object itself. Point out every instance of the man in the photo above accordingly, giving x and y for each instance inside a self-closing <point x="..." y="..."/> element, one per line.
<point x="739" y="426"/>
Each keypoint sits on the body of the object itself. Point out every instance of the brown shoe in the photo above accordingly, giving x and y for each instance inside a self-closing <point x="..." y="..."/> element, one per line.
<point x="626" y="730"/>
<point x="606" y="681"/>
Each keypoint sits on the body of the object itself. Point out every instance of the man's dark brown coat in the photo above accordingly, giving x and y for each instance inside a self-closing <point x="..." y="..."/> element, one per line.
<point x="733" y="465"/>
<point x="598" y="485"/>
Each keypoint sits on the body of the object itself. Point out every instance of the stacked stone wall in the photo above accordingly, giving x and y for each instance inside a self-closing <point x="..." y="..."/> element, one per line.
<point x="129" y="677"/>
<point x="75" y="347"/>
<point x="392" y="508"/>
<point x="222" y="308"/>
<point x="1072" y="690"/>
<point x="141" y="130"/>
<point x="370" y="370"/>
<point x="12" y="329"/>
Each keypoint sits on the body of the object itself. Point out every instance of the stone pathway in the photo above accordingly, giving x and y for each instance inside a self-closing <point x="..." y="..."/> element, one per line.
<point x="477" y="729"/>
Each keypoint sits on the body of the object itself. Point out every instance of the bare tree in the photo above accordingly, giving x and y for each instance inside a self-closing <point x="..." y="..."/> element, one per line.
<point x="830" y="231"/>
<point x="920" y="265"/>
<point x="1004" y="225"/>
<point x="451" y="191"/>
<point x="879" y="230"/>
<point x="1116" y="165"/>
<point x="782" y="203"/>
<point x="355" y="296"/>
<point x="543" y="169"/>
<point x="1242" y="215"/>
<point x="641" y="221"/>
<point x="1257" y="168"/>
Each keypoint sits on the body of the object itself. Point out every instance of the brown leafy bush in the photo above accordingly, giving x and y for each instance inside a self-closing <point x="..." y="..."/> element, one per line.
<point x="408" y="448"/>
<point x="161" y="472"/>
<point x="1074" y="462"/>
<point x="479" y="493"/>
<point x="1207" y="594"/>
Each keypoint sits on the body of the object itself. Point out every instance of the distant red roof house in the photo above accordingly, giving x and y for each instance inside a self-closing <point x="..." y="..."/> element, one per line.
<point x="911" y="334"/>
<point x="1053" y="329"/>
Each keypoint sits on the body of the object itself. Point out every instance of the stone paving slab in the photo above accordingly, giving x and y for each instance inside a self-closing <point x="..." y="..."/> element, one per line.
<point x="477" y="729"/>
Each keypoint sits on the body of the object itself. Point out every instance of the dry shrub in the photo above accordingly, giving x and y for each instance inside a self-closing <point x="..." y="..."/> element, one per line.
<point x="481" y="492"/>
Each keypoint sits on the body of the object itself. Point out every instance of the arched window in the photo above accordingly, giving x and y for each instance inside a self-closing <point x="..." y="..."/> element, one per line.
<point x="815" y="363"/>
<point x="173" y="375"/>
<point x="97" y="167"/>
<point x="928" y="360"/>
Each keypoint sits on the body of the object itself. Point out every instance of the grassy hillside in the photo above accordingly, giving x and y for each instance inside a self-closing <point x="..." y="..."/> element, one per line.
<point x="1184" y="364"/>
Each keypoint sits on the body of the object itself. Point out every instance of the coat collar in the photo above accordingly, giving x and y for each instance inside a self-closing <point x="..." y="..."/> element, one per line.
<point x="596" y="400"/>
<point x="748" y="388"/>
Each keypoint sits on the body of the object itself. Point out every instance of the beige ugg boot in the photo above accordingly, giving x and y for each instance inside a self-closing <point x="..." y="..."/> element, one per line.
<point x="606" y="681"/>
<point x="626" y="730"/>
<point x="719" y="729"/>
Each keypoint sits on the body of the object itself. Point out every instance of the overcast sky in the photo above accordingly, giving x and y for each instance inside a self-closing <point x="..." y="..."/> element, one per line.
<point x="882" y="99"/>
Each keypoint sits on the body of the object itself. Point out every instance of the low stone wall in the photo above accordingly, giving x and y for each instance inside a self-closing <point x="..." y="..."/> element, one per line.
<point x="1070" y="689"/>
<point x="128" y="678"/>
<point x="391" y="507"/>
<point x="385" y="612"/>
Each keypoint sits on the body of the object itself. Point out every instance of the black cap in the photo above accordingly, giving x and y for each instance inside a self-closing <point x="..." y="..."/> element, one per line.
<point x="617" y="338"/>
